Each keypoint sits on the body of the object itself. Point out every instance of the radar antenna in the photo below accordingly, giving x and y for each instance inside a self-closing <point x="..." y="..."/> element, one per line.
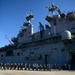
<point x="29" y="17"/>
<point x="53" y="8"/>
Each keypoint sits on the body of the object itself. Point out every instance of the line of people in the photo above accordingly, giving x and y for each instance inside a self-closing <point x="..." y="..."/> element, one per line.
<point x="21" y="66"/>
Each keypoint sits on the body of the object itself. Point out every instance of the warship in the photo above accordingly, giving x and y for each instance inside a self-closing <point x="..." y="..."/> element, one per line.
<point x="52" y="44"/>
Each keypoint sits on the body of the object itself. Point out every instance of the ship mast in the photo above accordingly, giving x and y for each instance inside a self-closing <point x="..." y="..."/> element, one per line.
<point x="29" y="17"/>
<point x="52" y="19"/>
<point x="53" y="8"/>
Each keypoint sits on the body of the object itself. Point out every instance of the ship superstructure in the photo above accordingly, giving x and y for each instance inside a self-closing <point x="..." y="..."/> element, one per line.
<point x="53" y="44"/>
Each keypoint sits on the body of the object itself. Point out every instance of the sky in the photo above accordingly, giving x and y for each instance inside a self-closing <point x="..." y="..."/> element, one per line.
<point x="13" y="13"/>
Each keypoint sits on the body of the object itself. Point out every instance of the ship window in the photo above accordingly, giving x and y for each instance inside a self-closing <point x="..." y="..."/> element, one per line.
<point x="18" y="54"/>
<point x="9" y="53"/>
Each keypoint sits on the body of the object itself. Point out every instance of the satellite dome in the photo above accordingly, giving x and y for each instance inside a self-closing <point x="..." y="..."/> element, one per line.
<point x="66" y="35"/>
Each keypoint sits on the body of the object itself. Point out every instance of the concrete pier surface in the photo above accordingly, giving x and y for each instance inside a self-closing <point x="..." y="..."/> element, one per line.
<point x="20" y="72"/>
